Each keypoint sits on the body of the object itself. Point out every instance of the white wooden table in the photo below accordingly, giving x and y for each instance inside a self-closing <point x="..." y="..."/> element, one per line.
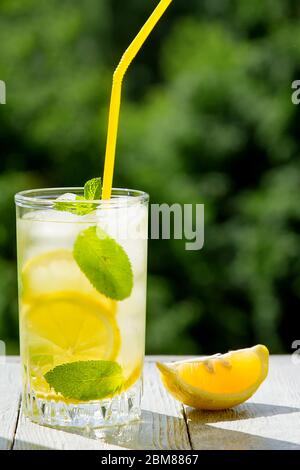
<point x="270" y="420"/>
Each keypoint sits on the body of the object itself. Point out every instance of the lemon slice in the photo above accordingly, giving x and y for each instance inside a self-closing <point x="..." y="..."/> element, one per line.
<point x="57" y="271"/>
<point x="66" y="327"/>
<point x="217" y="382"/>
<point x="65" y="319"/>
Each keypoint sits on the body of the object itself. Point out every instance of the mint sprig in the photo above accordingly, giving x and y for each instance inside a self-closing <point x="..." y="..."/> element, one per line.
<point x="86" y="380"/>
<point x="92" y="192"/>
<point x="100" y="257"/>
<point x="104" y="262"/>
<point x="93" y="189"/>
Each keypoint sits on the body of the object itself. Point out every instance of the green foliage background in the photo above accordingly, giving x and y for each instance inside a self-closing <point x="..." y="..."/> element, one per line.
<point x="206" y="118"/>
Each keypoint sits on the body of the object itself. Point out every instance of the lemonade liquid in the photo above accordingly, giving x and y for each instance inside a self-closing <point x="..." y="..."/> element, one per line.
<point x="64" y="319"/>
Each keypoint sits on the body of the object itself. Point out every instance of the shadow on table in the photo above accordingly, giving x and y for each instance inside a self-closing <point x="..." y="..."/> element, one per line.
<point x="207" y="430"/>
<point x="159" y="431"/>
<point x="154" y="431"/>
<point x="206" y="434"/>
<point x="211" y="438"/>
<point x="245" y="411"/>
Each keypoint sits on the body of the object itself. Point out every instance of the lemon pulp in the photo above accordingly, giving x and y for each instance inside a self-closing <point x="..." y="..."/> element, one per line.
<point x="234" y="372"/>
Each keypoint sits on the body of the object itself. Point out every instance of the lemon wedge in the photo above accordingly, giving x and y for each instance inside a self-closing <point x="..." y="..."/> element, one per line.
<point x="217" y="382"/>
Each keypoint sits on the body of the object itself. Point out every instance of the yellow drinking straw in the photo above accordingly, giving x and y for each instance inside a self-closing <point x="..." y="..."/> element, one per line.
<point x="115" y="102"/>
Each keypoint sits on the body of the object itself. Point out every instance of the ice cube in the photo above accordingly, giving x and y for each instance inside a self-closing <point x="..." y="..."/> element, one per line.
<point x="129" y="227"/>
<point x="67" y="197"/>
<point x="124" y="223"/>
<point x="47" y="230"/>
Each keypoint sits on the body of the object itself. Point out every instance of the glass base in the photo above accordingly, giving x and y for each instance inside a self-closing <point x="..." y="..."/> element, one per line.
<point x="116" y="411"/>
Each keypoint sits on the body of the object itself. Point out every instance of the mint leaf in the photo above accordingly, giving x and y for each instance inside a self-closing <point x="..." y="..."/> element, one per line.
<point x="92" y="189"/>
<point x="75" y="207"/>
<point x="92" y="192"/>
<point x="86" y="380"/>
<point x="104" y="262"/>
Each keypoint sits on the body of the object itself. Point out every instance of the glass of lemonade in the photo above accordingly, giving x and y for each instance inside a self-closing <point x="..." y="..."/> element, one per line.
<point x="82" y="302"/>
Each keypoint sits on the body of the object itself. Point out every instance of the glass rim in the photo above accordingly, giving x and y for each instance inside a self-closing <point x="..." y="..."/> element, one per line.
<point x="46" y="197"/>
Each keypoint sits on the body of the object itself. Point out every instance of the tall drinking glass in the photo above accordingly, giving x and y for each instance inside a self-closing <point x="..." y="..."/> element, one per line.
<point x="82" y="298"/>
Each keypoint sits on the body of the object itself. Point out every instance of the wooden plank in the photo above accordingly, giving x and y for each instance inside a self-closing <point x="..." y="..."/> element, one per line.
<point x="10" y="387"/>
<point x="31" y="436"/>
<point x="162" y="427"/>
<point x="163" y="421"/>
<point x="12" y="359"/>
<point x="165" y="358"/>
<point x="269" y="420"/>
